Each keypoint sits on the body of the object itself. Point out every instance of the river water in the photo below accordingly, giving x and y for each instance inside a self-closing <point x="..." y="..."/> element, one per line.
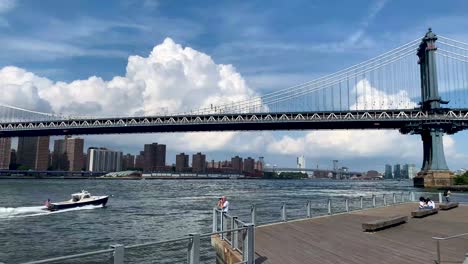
<point x="151" y="210"/>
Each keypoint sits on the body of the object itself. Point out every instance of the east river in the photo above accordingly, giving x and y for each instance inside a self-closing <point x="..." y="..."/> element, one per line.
<point x="153" y="210"/>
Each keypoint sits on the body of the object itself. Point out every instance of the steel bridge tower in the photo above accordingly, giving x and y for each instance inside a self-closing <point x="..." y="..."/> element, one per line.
<point x="434" y="170"/>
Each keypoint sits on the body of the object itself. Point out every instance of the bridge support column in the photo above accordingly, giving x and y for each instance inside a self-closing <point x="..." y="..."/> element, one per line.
<point x="434" y="170"/>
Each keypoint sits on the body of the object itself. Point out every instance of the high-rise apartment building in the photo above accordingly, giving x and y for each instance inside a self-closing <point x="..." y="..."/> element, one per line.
<point x="237" y="164"/>
<point x="301" y="163"/>
<point x="155" y="157"/>
<point x="74" y="153"/>
<point x="33" y="152"/>
<point x="59" y="156"/>
<point x="182" y="162"/>
<point x="140" y="160"/>
<point x="412" y="171"/>
<point x="5" y="153"/>
<point x="128" y="162"/>
<point x="198" y="163"/>
<point x="388" y="172"/>
<point x="249" y="165"/>
<point x="104" y="160"/>
<point x="397" y="171"/>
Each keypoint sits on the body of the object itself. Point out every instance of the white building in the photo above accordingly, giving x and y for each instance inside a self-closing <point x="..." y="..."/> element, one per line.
<point x="412" y="171"/>
<point x="104" y="160"/>
<point x="301" y="163"/>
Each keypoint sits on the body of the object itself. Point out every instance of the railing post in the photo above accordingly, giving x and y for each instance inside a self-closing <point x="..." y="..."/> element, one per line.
<point x="411" y="196"/>
<point x="194" y="249"/>
<point x="235" y="234"/>
<point x="373" y="200"/>
<point x="283" y="212"/>
<point x="384" y="200"/>
<point x="440" y="198"/>
<point x="248" y="248"/>
<point x="119" y="253"/>
<point x="347" y="205"/>
<point x="394" y="198"/>
<point x="402" y="197"/>
<point x="253" y="213"/>
<point x="329" y="206"/>
<point x="222" y="225"/>
<point x="309" y="214"/>
<point x="438" y="252"/>
<point x="362" y="204"/>
<point x="232" y="227"/>
<point x="215" y="220"/>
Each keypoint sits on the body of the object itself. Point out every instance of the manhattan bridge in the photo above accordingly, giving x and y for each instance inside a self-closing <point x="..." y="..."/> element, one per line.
<point x="419" y="88"/>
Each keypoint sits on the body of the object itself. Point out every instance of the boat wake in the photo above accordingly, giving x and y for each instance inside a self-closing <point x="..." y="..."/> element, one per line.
<point x="14" y="212"/>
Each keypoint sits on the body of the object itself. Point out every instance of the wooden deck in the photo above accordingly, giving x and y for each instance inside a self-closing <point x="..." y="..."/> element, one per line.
<point x="340" y="239"/>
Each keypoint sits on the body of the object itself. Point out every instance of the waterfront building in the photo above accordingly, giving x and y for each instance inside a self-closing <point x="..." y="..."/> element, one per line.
<point x="140" y="160"/>
<point x="199" y="162"/>
<point x="388" y="172"/>
<point x="237" y="164"/>
<point x="249" y="165"/>
<point x="301" y="163"/>
<point x="397" y="171"/>
<point x="13" y="157"/>
<point x="412" y="171"/>
<point x="5" y="153"/>
<point x="128" y="162"/>
<point x="33" y="152"/>
<point x="104" y="160"/>
<point x="59" y="156"/>
<point x="155" y="157"/>
<point x="74" y="153"/>
<point x="182" y="162"/>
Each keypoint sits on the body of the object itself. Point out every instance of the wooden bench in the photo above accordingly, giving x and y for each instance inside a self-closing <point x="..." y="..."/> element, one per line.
<point x="384" y="223"/>
<point x="424" y="212"/>
<point x="448" y="206"/>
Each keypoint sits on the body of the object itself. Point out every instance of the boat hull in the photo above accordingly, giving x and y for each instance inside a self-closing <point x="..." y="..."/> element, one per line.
<point x="59" y="206"/>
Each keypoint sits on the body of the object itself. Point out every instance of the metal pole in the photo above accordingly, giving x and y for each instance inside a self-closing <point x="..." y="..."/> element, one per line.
<point x="232" y="228"/>
<point x="373" y="200"/>
<point x="215" y="220"/>
<point x="384" y="200"/>
<point x="283" y="212"/>
<point x="222" y="225"/>
<point x="235" y="234"/>
<point x="412" y="196"/>
<point x="394" y="198"/>
<point x="194" y="249"/>
<point x="402" y="197"/>
<point x="361" y="198"/>
<point x="347" y="205"/>
<point x="438" y="252"/>
<point x="119" y="253"/>
<point x="440" y="198"/>
<point x="309" y="209"/>
<point x="253" y="214"/>
<point x="248" y="249"/>
<point x="329" y="206"/>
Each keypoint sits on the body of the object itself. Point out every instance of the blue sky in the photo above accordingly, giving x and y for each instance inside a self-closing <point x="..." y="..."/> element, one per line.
<point x="272" y="44"/>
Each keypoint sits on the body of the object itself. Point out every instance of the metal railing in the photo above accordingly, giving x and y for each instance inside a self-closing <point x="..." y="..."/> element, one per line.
<point x="193" y="251"/>
<point x="438" y="239"/>
<point x="228" y="228"/>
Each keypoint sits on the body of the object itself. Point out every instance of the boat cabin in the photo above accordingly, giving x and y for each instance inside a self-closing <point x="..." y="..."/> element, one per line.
<point x="80" y="196"/>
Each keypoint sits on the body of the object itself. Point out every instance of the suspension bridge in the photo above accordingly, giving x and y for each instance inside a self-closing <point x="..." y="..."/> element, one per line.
<point x="426" y="94"/>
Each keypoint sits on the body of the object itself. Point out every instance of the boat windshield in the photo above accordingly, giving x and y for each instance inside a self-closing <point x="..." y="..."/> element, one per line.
<point x="76" y="197"/>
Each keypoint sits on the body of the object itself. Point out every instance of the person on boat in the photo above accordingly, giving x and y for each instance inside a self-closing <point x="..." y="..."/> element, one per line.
<point x="422" y="203"/>
<point x="47" y="203"/>
<point x="225" y="203"/>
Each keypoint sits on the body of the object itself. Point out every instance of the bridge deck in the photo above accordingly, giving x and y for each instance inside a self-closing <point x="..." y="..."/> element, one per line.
<point x="340" y="239"/>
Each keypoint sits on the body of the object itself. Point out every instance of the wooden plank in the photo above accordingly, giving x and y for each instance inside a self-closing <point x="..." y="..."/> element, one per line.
<point x="339" y="238"/>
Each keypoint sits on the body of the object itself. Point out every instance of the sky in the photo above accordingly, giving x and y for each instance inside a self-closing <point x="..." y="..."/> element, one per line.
<point x="147" y="56"/>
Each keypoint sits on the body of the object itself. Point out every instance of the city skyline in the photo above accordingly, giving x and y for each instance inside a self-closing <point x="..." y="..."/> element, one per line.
<point x="117" y="67"/>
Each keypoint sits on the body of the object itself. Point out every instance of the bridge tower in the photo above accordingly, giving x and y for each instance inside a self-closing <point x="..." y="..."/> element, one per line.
<point x="434" y="170"/>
